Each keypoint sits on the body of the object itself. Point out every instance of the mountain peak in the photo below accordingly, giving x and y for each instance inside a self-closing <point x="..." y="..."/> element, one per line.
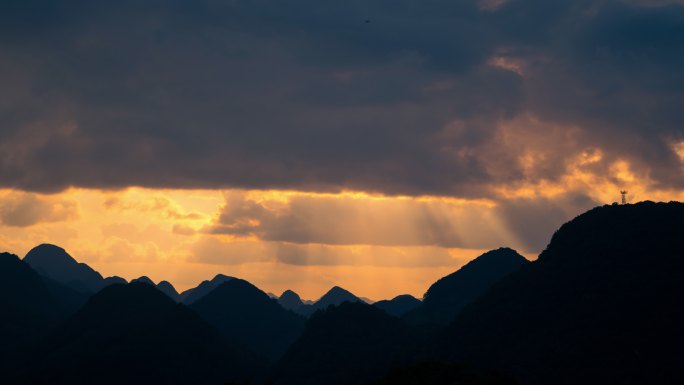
<point x="237" y="292"/>
<point x="290" y="300"/>
<point x="55" y="263"/>
<point x="205" y="287"/>
<point x="245" y="313"/>
<point x="604" y="298"/>
<point x="450" y="294"/>
<point x="399" y="305"/>
<point x="220" y="278"/>
<point x="615" y="227"/>
<point x="46" y="252"/>
<point x="290" y="293"/>
<point x="336" y="296"/>
<point x="167" y="288"/>
<point x="114" y="280"/>
<point x="5" y="256"/>
<point x="137" y="295"/>
<point x="336" y="290"/>
<point x="144" y="279"/>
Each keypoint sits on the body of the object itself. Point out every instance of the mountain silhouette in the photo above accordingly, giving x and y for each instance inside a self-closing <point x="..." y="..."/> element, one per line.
<point x="447" y="297"/>
<point x="399" y="305"/>
<point x="352" y="343"/>
<point x="601" y="305"/>
<point x="191" y="295"/>
<point x="28" y="308"/>
<point x="134" y="334"/>
<point x="246" y="314"/>
<point x="67" y="299"/>
<point x="167" y="288"/>
<point x="21" y="286"/>
<point x="54" y="262"/>
<point x="334" y="297"/>
<point x="164" y="286"/>
<point x="113" y="281"/>
<point x="290" y="300"/>
<point x="144" y="279"/>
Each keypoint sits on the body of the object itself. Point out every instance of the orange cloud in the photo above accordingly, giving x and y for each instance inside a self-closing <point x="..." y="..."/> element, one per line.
<point x="19" y="209"/>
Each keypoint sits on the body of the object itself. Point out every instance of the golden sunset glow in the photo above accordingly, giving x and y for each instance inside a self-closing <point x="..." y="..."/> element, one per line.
<point x="375" y="245"/>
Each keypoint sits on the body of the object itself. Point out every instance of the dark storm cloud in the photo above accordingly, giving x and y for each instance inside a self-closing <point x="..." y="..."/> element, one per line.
<point x="308" y="95"/>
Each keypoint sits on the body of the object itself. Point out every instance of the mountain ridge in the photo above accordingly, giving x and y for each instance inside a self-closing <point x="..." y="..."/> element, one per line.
<point x="244" y="313"/>
<point x="602" y="304"/>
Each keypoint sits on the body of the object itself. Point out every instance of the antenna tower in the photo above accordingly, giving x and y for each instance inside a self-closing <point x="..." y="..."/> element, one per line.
<point x="624" y="196"/>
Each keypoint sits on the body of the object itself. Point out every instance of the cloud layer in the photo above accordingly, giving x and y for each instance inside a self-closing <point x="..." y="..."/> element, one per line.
<point x="301" y="219"/>
<point x="438" y="98"/>
<point x="23" y="209"/>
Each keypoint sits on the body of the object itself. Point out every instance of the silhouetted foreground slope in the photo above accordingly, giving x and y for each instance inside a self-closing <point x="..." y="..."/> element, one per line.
<point x="134" y="334"/>
<point x="447" y="297"/>
<point x="602" y="305"/>
<point x="348" y="344"/>
<point x="27" y="308"/>
<point x="246" y="314"/>
<point x="440" y="373"/>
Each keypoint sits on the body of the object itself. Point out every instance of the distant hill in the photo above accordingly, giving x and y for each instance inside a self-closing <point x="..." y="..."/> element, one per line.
<point x="290" y="300"/>
<point x="352" y="343"/>
<point x="447" y="297"/>
<point x="134" y="334"/>
<point x="335" y="296"/>
<point x="54" y="262"/>
<point x="164" y="286"/>
<point x="399" y="305"/>
<point x="144" y="279"/>
<point x="191" y="295"/>
<point x="114" y="280"/>
<point x="246" y="314"/>
<point x="167" y="288"/>
<point x="601" y="305"/>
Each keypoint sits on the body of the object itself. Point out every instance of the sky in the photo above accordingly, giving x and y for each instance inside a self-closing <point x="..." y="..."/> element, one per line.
<point x="300" y="144"/>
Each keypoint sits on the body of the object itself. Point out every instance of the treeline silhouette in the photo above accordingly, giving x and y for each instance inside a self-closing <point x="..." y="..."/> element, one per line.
<point x="601" y="305"/>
